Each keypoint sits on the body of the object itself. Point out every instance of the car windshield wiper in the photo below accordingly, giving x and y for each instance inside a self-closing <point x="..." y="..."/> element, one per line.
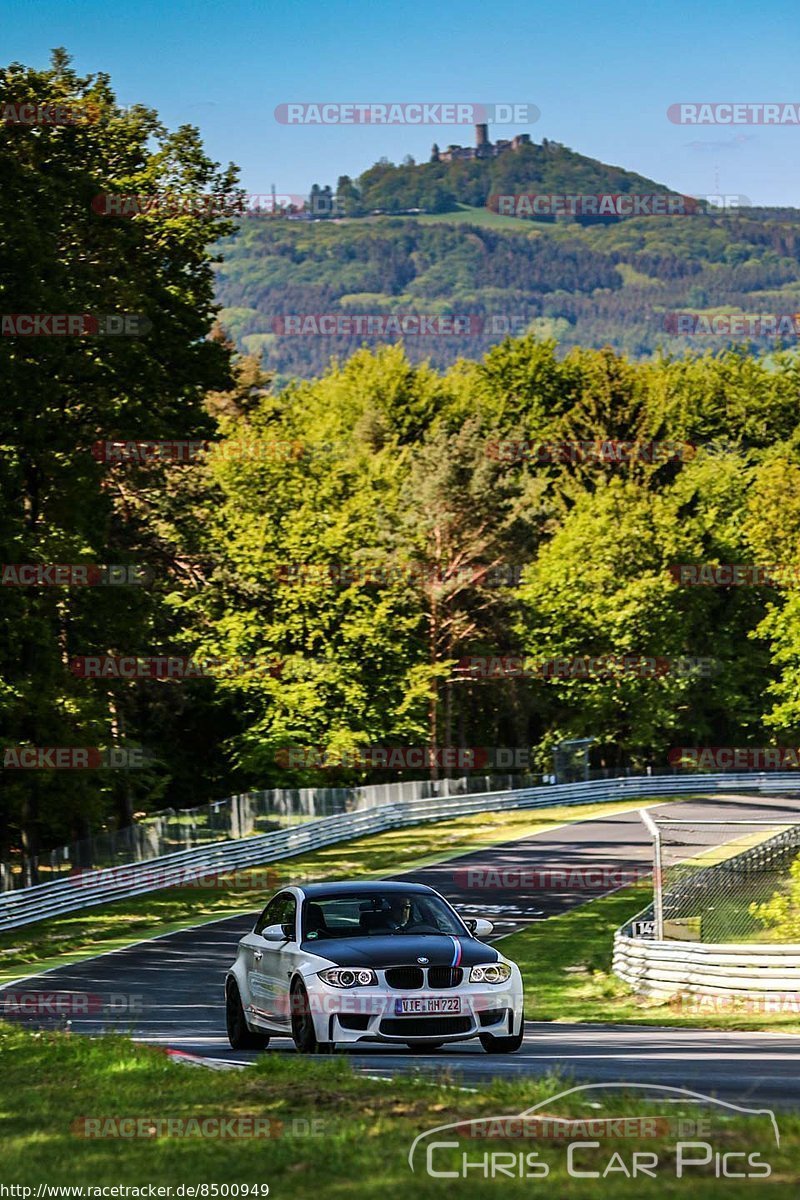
<point x="423" y="932"/>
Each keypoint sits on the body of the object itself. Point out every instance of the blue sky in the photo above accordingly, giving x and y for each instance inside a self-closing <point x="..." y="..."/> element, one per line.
<point x="602" y="75"/>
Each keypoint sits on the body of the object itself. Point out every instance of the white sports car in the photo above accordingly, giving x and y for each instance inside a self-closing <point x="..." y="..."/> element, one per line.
<point x="370" y="962"/>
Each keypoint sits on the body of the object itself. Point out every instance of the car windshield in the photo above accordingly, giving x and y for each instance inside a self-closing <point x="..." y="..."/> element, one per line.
<point x="376" y="915"/>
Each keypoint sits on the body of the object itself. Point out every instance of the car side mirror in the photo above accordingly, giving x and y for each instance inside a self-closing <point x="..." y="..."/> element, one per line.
<point x="276" y="933"/>
<point x="479" y="927"/>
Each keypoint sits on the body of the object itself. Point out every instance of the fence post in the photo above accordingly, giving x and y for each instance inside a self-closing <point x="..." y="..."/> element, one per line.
<point x="658" y="878"/>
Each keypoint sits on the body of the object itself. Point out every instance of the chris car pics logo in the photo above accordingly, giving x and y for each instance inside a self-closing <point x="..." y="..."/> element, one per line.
<point x="657" y="1145"/>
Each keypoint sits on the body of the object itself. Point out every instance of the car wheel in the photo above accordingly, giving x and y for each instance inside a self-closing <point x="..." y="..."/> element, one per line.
<point x="423" y="1047"/>
<point x="239" y="1036"/>
<point x="303" y="1031"/>
<point x="500" y="1045"/>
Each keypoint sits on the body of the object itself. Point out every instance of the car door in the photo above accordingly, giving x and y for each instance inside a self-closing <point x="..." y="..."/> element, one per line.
<point x="250" y="954"/>
<point x="272" y="962"/>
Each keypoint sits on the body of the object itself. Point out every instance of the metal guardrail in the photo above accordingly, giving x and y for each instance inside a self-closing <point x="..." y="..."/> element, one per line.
<point x="726" y="969"/>
<point x="88" y="889"/>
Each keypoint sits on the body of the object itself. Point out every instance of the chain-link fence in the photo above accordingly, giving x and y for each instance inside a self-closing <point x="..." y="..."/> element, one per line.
<point x="724" y="881"/>
<point x="262" y="811"/>
<point x="236" y="817"/>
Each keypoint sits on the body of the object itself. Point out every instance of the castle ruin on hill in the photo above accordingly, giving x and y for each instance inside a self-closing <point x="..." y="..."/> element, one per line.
<point x="483" y="148"/>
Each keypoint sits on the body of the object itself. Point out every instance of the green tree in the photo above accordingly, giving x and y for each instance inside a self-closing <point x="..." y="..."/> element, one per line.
<point x="781" y="913"/>
<point x="601" y="586"/>
<point x="348" y="198"/>
<point x="61" y="394"/>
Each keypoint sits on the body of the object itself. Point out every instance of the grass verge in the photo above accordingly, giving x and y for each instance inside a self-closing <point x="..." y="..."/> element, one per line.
<point x="358" y="1148"/>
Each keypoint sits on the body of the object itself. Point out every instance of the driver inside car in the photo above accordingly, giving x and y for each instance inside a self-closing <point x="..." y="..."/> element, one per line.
<point x="398" y="915"/>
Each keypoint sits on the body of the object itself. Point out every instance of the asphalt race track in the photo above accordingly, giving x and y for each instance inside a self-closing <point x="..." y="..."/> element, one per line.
<point x="168" y="991"/>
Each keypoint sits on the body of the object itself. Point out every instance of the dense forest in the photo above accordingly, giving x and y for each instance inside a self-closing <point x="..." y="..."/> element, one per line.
<point x="348" y="542"/>
<point x="614" y="284"/>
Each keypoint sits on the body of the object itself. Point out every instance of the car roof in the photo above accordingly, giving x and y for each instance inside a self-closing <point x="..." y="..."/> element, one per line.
<point x="370" y="888"/>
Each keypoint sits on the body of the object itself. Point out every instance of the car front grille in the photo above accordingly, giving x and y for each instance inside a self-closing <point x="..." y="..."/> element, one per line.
<point x="405" y="978"/>
<point x="425" y="1026"/>
<point x="444" y="977"/>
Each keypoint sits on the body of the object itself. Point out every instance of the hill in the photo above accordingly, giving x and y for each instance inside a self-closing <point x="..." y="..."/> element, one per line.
<point x="441" y="186"/>
<point x="586" y="281"/>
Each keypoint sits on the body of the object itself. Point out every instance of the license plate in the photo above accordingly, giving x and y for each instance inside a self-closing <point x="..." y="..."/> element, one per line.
<point x="427" y="1004"/>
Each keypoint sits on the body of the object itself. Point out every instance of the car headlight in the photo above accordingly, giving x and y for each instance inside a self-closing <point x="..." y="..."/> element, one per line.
<point x="498" y="972"/>
<point x="347" y="977"/>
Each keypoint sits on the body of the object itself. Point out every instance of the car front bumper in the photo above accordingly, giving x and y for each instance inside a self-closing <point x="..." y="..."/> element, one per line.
<point x="370" y="1014"/>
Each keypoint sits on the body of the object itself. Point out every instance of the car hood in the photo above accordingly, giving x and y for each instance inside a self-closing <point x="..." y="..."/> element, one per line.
<point x="402" y="949"/>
